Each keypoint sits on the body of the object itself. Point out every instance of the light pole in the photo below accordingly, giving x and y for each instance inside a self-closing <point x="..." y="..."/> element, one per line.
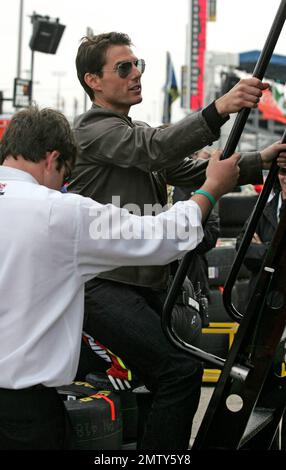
<point x="20" y="34"/>
<point x="59" y="74"/>
<point x="89" y="34"/>
<point x="46" y="36"/>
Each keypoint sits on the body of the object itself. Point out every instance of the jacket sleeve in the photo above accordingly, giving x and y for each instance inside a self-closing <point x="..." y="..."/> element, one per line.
<point x="108" y="138"/>
<point x="211" y="234"/>
<point x="192" y="172"/>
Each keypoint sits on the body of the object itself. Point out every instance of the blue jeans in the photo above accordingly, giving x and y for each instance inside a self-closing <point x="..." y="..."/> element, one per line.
<point x="126" y="319"/>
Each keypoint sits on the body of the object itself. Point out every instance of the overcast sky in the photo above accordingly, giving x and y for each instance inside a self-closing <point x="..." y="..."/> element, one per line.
<point x="155" y="26"/>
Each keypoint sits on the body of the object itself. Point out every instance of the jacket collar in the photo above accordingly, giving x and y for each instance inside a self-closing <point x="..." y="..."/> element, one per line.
<point x="110" y="111"/>
<point x="270" y="210"/>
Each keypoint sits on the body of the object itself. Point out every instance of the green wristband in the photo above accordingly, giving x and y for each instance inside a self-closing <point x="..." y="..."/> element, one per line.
<point x="208" y="195"/>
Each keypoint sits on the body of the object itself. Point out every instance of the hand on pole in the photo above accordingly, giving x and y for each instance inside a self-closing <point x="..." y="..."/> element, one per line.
<point x="245" y="94"/>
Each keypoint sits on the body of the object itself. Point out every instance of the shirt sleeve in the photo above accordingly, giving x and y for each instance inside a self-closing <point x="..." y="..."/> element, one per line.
<point x="108" y="237"/>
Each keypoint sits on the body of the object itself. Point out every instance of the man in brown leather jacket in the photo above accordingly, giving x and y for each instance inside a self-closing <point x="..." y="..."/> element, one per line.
<point x="129" y="163"/>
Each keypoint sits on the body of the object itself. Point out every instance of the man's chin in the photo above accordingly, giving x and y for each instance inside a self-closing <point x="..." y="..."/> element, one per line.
<point x="137" y="99"/>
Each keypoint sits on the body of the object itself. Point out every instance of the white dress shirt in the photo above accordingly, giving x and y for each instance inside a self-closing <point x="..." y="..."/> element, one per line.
<point x="51" y="244"/>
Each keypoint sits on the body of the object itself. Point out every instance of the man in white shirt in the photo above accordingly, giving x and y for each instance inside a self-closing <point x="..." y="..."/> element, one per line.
<point x="51" y="244"/>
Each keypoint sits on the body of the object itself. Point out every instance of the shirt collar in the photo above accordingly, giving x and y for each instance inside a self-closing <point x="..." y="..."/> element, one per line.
<point x="279" y="206"/>
<point x="12" y="174"/>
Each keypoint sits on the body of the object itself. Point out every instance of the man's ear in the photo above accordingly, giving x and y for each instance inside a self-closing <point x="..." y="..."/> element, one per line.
<point x="50" y="159"/>
<point x="93" y="81"/>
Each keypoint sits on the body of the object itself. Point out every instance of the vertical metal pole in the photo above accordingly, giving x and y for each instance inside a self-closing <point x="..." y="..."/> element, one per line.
<point x="89" y="34"/>
<point x="20" y="33"/>
<point x="258" y="72"/>
<point x="32" y="75"/>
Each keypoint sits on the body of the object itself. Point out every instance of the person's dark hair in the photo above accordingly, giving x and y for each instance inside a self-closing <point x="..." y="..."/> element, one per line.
<point x="91" y="55"/>
<point x="33" y="132"/>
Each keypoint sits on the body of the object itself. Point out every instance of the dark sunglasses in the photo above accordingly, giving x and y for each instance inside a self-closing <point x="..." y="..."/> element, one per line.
<point x="124" y="68"/>
<point x="68" y="171"/>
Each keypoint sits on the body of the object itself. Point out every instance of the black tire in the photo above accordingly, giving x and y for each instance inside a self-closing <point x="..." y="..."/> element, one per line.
<point x="242" y="297"/>
<point x="77" y="389"/>
<point x="220" y="260"/>
<point x="129" y="410"/>
<point x="217" y="312"/>
<point x="234" y="209"/>
<point x="99" y="381"/>
<point x="215" y="343"/>
<point x="230" y="231"/>
<point x="187" y="324"/>
<point x="95" y="417"/>
<point x="129" y="407"/>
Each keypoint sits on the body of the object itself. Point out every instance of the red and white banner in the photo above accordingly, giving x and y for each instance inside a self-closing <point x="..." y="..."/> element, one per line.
<point x="197" y="52"/>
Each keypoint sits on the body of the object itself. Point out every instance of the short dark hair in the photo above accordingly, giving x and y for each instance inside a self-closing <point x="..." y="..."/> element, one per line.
<point x="33" y="132"/>
<point x="91" y="55"/>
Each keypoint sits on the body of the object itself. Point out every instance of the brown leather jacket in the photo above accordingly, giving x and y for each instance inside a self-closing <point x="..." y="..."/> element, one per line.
<point x="128" y="162"/>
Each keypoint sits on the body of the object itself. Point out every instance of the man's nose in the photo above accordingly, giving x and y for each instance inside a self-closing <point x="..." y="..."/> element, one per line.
<point x="135" y="71"/>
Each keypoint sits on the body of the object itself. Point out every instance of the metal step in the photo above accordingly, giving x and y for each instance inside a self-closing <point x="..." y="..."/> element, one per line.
<point x="259" y="418"/>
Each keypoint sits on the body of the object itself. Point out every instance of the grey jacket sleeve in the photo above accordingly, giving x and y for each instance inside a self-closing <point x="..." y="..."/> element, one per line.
<point x="250" y="166"/>
<point x="192" y="172"/>
<point x="110" y="138"/>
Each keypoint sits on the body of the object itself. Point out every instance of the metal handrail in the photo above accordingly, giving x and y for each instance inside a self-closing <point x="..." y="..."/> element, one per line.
<point x="230" y="147"/>
<point x="246" y="240"/>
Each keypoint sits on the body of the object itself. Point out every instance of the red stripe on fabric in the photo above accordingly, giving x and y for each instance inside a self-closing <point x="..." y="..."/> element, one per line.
<point x="111" y="404"/>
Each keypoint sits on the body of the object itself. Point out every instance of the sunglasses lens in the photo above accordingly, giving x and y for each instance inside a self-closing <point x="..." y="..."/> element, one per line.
<point x="140" y="64"/>
<point x="124" y="69"/>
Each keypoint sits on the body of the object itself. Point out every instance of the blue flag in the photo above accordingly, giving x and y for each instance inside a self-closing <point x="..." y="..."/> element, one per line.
<point x="171" y="91"/>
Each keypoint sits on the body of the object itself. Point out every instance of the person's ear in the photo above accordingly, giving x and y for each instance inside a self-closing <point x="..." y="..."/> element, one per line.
<point x="50" y="159"/>
<point x="93" y="81"/>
